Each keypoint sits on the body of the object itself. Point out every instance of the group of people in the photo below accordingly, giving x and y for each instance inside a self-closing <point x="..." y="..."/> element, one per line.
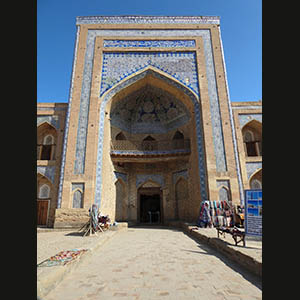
<point x="210" y="215"/>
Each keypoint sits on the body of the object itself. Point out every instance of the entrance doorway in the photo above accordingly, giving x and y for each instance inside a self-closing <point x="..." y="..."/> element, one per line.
<point x="150" y="206"/>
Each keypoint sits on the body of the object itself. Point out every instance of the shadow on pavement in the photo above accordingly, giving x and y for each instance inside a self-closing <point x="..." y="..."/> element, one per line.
<point x="254" y="279"/>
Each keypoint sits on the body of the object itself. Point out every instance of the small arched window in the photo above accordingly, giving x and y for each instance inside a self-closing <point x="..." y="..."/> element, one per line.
<point x="44" y="192"/>
<point x="250" y="144"/>
<point x="77" y="199"/>
<point x="224" y="194"/>
<point x="47" y="147"/>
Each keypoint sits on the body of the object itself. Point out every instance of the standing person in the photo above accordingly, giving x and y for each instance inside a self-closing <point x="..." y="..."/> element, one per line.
<point x="205" y="218"/>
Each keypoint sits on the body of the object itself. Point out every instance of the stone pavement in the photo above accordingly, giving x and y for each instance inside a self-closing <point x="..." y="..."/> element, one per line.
<point x="156" y="263"/>
<point x="52" y="241"/>
<point x="249" y="256"/>
<point x="253" y="246"/>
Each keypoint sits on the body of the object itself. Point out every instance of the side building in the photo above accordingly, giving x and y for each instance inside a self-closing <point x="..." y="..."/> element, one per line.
<point x="51" y="118"/>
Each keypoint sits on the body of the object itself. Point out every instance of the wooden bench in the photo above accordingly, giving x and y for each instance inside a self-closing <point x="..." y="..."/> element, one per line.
<point x="235" y="232"/>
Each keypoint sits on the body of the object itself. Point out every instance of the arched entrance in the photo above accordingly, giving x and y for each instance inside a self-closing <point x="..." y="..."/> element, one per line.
<point x="150" y="206"/>
<point x="155" y="131"/>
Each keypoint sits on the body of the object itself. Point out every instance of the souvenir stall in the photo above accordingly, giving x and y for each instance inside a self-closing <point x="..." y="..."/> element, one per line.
<point x="221" y="213"/>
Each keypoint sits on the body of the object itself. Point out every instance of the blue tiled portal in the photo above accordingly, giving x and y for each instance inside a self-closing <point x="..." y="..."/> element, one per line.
<point x="119" y="65"/>
<point x="115" y="90"/>
<point x="123" y="65"/>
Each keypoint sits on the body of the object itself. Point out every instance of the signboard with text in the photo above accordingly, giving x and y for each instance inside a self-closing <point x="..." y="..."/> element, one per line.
<point x="253" y="212"/>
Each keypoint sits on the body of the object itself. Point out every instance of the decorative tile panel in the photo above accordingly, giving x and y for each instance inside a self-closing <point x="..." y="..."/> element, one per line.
<point x="245" y="118"/>
<point x="119" y="65"/>
<point x="152" y="152"/>
<point x="52" y="120"/>
<point x="64" y="150"/>
<point x="142" y="178"/>
<point x="149" y="43"/>
<point x="251" y="167"/>
<point x="149" y="110"/>
<point x="48" y="171"/>
<point x="147" y="20"/>
<point x="78" y="195"/>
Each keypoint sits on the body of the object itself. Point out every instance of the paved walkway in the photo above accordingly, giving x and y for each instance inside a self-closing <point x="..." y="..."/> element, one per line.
<point x="253" y="246"/>
<point x="156" y="263"/>
<point x="50" y="243"/>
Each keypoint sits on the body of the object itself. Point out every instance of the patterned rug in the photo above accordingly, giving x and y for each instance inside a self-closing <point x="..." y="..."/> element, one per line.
<point x="62" y="258"/>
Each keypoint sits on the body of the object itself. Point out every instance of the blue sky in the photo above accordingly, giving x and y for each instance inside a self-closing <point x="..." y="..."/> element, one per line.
<point x="241" y="29"/>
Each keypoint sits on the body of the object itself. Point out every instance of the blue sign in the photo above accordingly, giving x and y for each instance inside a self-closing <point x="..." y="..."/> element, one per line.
<point x="253" y="212"/>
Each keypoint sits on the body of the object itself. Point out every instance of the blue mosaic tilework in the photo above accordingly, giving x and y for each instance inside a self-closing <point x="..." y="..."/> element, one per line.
<point x="84" y="110"/>
<point x="52" y="120"/>
<point x="48" y="171"/>
<point x="218" y="139"/>
<point x="147" y="20"/>
<point x="63" y="160"/>
<point x="142" y="178"/>
<point x="245" y="118"/>
<point x="118" y="66"/>
<point x="116" y="89"/>
<point x="149" y="110"/>
<point x="251" y="167"/>
<point x="212" y="89"/>
<point x="153" y="152"/>
<point x="149" y="43"/>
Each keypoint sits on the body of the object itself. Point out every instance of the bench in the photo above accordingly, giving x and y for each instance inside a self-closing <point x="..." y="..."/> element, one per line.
<point x="235" y="232"/>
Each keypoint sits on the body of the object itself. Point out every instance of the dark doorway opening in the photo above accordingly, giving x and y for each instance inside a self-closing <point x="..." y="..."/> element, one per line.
<point x="150" y="209"/>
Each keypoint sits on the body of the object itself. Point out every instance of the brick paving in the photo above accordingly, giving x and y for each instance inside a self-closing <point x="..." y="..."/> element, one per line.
<point x="157" y="263"/>
<point x="51" y="242"/>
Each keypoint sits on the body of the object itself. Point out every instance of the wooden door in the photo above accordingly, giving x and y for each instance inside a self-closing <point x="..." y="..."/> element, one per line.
<point x="42" y="212"/>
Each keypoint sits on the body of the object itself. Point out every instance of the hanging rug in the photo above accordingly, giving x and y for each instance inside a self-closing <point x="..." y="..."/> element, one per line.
<point x="62" y="258"/>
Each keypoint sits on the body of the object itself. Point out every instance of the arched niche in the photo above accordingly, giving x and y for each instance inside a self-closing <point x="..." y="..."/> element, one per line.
<point x="46" y="141"/>
<point x="252" y="138"/>
<point x="255" y="181"/>
<point x="121" y="207"/>
<point x="181" y="198"/>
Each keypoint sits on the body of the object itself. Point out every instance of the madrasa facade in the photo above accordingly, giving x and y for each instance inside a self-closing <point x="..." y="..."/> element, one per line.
<point x="148" y="126"/>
